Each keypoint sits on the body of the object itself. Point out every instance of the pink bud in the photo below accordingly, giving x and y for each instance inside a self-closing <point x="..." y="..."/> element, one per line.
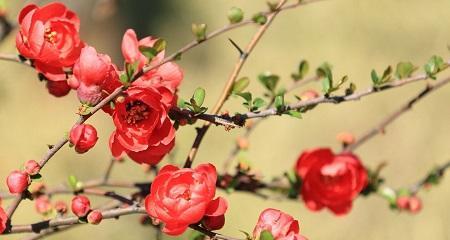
<point x="32" y="167"/>
<point x="81" y="205"/>
<point x="89" y="95"/>
<point x="58" y="88"/>
<point x="83" y="137"/>
<point x="345" y="138"/>
<point x="403" y="202"/>
<point x="73" y="82"/>
<point x="17" y="181"/>
<point x="415" y="204"/>
<point x="309" y="94"/>
<point x="42" y="204"/>
<point x="61" y="207"/>
<point x="95" y="217"/>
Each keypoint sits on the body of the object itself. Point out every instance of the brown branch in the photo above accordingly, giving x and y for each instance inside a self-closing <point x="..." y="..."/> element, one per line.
<point x="438" y="172"/>
<point x="229" y="83"/>
<point x="249" y="129"/>
<point x="379" y="128"/>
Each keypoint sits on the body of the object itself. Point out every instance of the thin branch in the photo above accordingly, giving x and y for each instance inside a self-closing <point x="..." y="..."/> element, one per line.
<point x="379" y="128"/>
<point x="438" y="172"/>
<point x="229" y="84"/>
<point x="109" y="170"/>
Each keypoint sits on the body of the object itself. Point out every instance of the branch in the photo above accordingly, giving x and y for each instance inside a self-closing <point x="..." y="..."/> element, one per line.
<point x="438" y="172"/>
<point x="379" y="128"/>
<point x="229" y="84"/>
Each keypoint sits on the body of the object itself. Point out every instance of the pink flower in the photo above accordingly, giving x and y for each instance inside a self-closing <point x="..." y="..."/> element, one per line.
<point x="32" y="167"/>
<point x="3" y="220"/>
<point x="282" y="226"/>
<point x="42" y="204"/>
<point x="18" y="181"/>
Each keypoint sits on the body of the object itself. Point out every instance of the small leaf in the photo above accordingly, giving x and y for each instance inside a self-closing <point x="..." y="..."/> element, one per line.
<point x="259" y="18"/>
<point x="386" y="75"/>
<point x="124" y="79"/>
<point x="181" y="103"/>
<point x="235" y="15"/>
<point x="36" y="176"/>
<point x="375" y="78"/>
<point x="199" y="31"/>
<point x="327" y="85"/>
<point x="73" y="182"/>
<point x="258" y="103"/>
<point x="266" y="235"/>
<point x="303" y="68"/>
<point x="351" y="89"/>
<point x="295" y="113"/>
<point x="240" y="85"/>
<point x="404" y="70"/>
<point x="279" y="102"/>
<point x="245" y="95"/>
<point x="269" y="80"/>
<point x="148" y="52"/>
<point x="160" y="45"/>
<point x="199" y="96"/>
<point x="434" y="66"/>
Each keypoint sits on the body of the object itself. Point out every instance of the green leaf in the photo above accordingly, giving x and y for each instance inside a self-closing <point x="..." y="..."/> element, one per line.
<point x="73" y="182"/>
<point x="240" y="85"/>
<point x="294" y="113"/>
<point x="327" y="85"/>
<point x="124" y="79"/>
<point x="148" y="52"/>
<point x="279" y="102"/>
<point x="199" y="31"/>
<point x="269" y="80"/>
<point x="375" y="78"/>
<point x="259" y="18"/>
<point x="199" y="96"/>
<point x="36" y="176"/>
<point x="245" y="95"/>
<point x="303" y="69"/>
<point x="181" y="103"/>
<point x="324" y="71"/>
<point x="434" y="66"/>
<point x="386" y="75"/>
<point x="235" y="15"/>
<point x="266" y="235"/>
<point x="131" y="68"/>
<point x="404" y="70"/>
<point x="258" y="103"/>
<point x="351" y="89"/>
<point x="160" y="45"/>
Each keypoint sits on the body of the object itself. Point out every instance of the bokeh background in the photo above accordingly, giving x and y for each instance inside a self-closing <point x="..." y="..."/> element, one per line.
<point x="355" y="36"/>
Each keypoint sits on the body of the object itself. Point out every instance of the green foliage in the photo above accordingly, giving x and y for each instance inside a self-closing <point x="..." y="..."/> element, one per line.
<point x="240" y="85"/>
<point x="380" y="80"/>
<point x="279" y="103"/>
<point x="303" y="69"/>
<point x="235" y="15"/>
<point x="259" y="18"/>
<point x="199" y="31"/>
<point x="266" y="235"/>
<point x="404" y="70"/>
<point x="74" y="183"/>
<point x="269" y="81"/>
<point x="434" y="66"/>
<point x="249" y="103"/>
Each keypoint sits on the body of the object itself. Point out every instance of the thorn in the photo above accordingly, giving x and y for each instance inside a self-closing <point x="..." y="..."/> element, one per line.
<point x="241" y="52"/>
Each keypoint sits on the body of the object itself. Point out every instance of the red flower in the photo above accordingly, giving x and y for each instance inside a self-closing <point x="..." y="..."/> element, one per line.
<point x="143" y="129"/>
<point x="3" y="220"/>
<point x="42" y="204"/>
<point x="81" y="205"/>
<point x="168" y="75"/>
<point x="180" y="197"/>
<point x="17" y="181"/>
<point x="279" y="224"/>
<point x="49" y="35"/>
<point x="415" y="204"/>
<point x="329" y="180"/>
<point x="83" y="137"/>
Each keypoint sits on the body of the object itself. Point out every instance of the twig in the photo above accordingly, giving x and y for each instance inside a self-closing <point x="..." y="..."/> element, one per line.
<point x="229" y="84"/>
<point x="13" y="58"/>
<point x="109" y="170"/>
<point x="379" y="128"/>
<point x="438" y="171"/>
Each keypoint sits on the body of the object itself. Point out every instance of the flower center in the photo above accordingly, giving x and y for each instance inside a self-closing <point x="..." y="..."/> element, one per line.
<point x="186" y="195"/>
<point x="136" y="111"/>
<point x="50" y="36"/>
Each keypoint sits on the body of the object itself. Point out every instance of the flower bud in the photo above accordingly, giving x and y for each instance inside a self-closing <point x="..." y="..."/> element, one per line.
<point x="345" y="138"/>
<point x="83" y="137"/>
<point x="73" y="82"/>
<point x="402" y="202"/>
<point x="214" y="223"/>
<point x="242" y="143"/>
<point x="95" y="217"/>
<point x="61" y="207"/>
<point x="58" y="88"/>
<point x="17" y="181"/>
<point x="199" y="31"/>
<point x="81" y="205"/>
<point x="308" y="95"/>
<point x="235" y="15"/>
<point x="89" y="95"/>
<point x="42" y="204"/>
<point x="32" y="167"/>
<point x="415" y="204"/>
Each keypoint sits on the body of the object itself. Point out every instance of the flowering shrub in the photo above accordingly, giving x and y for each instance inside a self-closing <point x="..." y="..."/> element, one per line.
<point x="141" y="97"/>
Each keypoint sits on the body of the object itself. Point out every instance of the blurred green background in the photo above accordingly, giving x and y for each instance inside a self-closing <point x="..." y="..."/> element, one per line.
<point x="355" y="36"/>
